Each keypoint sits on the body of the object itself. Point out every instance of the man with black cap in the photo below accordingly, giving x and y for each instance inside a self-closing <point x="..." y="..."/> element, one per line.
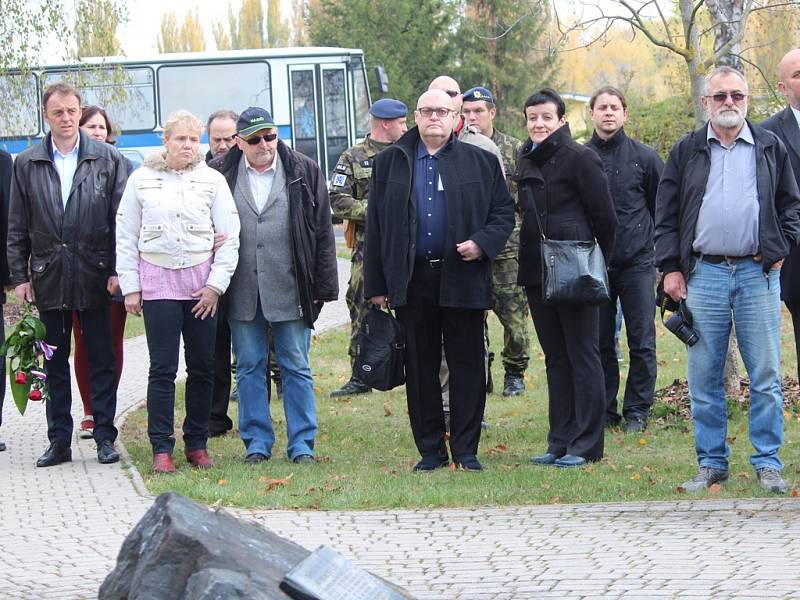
<point x="508" y="299"/>
<point x="349" y="190"/>
<point x="286" y="271"/>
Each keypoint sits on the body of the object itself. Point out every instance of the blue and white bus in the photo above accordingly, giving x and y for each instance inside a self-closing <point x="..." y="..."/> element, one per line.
<point x="318" y="96"/>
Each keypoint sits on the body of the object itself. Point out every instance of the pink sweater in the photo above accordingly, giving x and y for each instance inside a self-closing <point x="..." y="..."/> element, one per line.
<point x="160" y="283"/>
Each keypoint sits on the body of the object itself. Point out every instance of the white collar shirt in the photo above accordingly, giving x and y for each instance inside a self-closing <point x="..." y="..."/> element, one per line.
<point x="260" y="183"/>
<point x="796" y="113"/>
<point x="66" y="165"/>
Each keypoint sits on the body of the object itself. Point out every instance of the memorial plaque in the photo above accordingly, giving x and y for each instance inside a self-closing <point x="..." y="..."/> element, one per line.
<point x="326" y="575"/>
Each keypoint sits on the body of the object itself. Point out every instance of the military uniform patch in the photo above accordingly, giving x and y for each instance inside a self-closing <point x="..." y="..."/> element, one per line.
<point x="339" y="179"/>
<point x="341" y="167"/>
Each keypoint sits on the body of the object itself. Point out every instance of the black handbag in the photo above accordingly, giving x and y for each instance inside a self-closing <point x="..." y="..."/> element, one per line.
<point x="573" y="271"/>
<point x="381" y="340"/>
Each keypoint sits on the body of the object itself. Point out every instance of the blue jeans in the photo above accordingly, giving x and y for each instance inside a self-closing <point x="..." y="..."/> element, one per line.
<point x="735" y="291"/>
<point x="292" y="343"/>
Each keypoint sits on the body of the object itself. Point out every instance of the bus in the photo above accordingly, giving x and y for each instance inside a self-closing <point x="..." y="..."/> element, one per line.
<point x="318" y="96"/>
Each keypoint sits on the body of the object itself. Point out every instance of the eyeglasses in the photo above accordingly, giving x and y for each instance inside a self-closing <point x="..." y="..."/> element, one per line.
<point x="256" y="139"/>
<point x="428" y="112"/>
<point x="451" y="93"/>
<point x="720" y="97"/>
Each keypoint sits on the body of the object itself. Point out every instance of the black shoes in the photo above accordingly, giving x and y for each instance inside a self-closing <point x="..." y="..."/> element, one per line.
<point x="351" y="388"/>
<point x="55" y="455"/>
<point x="570" y="461"/>
<point x="2" y="446"/>
<point x="106" y="453"/>
<point x="513" y="384"/>
<point x="635" y="425"/>
<point x="545" y="459"/>
<point x="431" y="463"/>
<point x="468" y="463"/>
<point x="255" y="458"/>
<point x="303" y="459"/>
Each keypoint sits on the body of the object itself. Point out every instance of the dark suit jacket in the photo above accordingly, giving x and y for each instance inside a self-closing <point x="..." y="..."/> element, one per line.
<point x="5" y="195"/>
<point x="784" y="125"/>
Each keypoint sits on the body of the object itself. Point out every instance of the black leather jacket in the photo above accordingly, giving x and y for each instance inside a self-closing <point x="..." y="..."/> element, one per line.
<point x="683" y="185"/>
<point x="71" y="251"/>
<point x="633" y="171"/>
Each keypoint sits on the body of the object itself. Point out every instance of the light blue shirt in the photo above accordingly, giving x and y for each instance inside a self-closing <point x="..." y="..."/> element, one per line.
<point x="66" y="165"/>
<point x="727" y="223"/>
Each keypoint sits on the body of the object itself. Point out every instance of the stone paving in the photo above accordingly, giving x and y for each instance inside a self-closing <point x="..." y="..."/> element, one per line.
<point x="61" y="528"/>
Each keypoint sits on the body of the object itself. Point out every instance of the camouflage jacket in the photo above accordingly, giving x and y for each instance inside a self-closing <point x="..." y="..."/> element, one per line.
<point x="350" y="184"/>
<point x="509" y="149"/>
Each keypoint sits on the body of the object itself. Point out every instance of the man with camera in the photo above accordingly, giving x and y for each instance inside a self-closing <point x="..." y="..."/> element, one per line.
<point x="727" y="214"/>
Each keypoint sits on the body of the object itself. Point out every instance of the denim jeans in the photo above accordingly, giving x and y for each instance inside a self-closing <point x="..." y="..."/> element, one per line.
<point x="292" y="343"/>
<point x="735" y="291"/>
<point x="164" y="323"/>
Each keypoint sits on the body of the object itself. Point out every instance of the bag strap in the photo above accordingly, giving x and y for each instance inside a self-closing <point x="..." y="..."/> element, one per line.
<point x="536" y="214"/>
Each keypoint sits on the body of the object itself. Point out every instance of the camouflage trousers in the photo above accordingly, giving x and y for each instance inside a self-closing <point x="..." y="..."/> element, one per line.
<point x="511" y="307"/>
<point x="356" y="303"/>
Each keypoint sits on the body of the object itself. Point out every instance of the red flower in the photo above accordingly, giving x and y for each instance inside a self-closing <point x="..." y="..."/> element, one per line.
<point x="21" y="378"/>
<point x="35" y="395"/>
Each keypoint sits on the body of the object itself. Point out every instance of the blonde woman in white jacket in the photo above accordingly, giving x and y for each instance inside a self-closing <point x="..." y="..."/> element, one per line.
<point x="170" y="271"/>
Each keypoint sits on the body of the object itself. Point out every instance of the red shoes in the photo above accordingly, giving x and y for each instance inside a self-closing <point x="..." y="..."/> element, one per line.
<point x="162" y="463"/>
<point x="199" y="458"/>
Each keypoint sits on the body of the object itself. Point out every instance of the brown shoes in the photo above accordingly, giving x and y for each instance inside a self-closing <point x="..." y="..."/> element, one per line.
<point x="199" y="458"/>
<point x="162" y="463"/>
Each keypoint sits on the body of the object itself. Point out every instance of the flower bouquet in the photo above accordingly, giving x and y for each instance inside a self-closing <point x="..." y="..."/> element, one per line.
<point x="25" y="348"/>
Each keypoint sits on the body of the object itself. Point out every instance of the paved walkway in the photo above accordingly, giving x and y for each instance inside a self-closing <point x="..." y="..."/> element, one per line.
<point x="61" y="528"/>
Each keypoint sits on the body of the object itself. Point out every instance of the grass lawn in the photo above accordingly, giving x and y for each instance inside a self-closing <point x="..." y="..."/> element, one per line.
<point x="365" y="449"/>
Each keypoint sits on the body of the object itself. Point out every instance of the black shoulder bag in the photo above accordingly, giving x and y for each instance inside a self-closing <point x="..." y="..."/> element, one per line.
<point x="573" y="271"/>
<point x="381" y="350"/>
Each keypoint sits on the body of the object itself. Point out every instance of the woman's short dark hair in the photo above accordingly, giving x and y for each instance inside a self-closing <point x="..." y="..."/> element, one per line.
<point x="544" y="96"/>
<point x="89" y="111"/>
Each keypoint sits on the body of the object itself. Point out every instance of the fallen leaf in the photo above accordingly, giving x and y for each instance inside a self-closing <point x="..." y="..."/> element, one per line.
<point x="222" y="482"/>
<point x="497" y="449"/>
<point x="650" y="481"/>
<point x="743" y="475"/>
<point x="647" y="469"/>
<point x="714" y="488"/>
<point x="276" y="483"/>
<point x="387" y="409"/>
<point x="452" y="466"/>
<point x="680" y="489"/>
<point x="730" y="439"/>
<point x="217" y="505"/>
<point x="642" y="442"/>
<point x="317" y="390"/>
<point x="636" y="477"/>
<point x="794" y="493"/>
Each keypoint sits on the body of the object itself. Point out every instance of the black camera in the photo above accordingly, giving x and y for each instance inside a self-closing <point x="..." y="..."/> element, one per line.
<point x="680" y="323"/>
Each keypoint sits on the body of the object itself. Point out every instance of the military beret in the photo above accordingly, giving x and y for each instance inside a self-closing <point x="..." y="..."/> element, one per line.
<point x="388" y="108"/>
<point x="478" y="93"/>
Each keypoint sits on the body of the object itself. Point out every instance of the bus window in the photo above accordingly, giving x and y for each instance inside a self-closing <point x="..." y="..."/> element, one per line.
<point x="334" y="94"/>
<point x="20" y="114"/>
<point x="203" y="89"/>
<point x="304" y="112"/>
<point x="360" y="97"/>
<point x="126" y="93"/>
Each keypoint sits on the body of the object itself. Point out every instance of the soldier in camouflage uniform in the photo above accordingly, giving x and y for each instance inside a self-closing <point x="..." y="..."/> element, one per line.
<point x="349" y="191"/>
<point x="509" y="302"/>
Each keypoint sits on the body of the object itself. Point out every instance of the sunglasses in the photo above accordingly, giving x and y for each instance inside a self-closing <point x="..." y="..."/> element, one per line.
<point x="256" y="139"/>
<point x="720" y="97"/>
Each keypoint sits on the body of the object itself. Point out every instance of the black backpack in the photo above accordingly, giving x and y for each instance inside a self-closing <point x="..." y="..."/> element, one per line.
<point x="381" y="350"/>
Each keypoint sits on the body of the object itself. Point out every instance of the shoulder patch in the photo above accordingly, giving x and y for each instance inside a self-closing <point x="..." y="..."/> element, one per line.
<point x="341" y="167"/>
<point x="366" y="163"/>
<point x="339" y="180"/>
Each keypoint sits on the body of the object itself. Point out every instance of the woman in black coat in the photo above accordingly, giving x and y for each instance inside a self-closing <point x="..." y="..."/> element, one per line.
<point x="565" y="182"/>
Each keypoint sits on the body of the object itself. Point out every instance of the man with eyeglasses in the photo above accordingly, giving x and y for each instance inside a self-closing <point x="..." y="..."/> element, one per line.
<point x="727" y="214"/>
<point x="439" y="211"/>
<point x="286" y="271"/>
<point x="349" y="191"/>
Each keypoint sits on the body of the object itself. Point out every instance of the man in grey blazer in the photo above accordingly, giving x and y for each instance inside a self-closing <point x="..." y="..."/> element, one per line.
<point x="786" y="125"/>
<point x="286" y="271"/>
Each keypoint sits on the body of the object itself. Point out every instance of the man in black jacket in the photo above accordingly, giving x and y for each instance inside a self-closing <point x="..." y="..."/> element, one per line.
<point x="633" y="171"/>
<point x="786" y="125"/>
<point x="5" y="189"/>
<point x="439" y="211"/>
<point x="727" y="214"/>
<point x="286" y="271"/>
<point x="64" y="197"/>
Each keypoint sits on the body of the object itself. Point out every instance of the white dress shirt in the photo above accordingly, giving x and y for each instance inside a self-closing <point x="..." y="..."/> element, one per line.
<point x="66" y="165"/>
<point x="260" y="183"/>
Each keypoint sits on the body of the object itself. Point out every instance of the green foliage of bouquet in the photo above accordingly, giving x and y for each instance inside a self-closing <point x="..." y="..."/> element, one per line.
<point x="26" y="351"/>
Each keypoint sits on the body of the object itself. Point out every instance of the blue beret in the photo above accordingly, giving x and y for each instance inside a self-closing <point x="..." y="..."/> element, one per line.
<point x="388" y="108"/>
<point x="478" y="93"/>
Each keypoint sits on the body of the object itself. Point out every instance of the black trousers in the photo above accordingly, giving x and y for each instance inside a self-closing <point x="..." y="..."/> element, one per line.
<point x="794" y="309"/>
<point x="635" y="288"/>
<point x="164" y="323"/>
<point x="219" y="420"/>
<point x="426" y="324"/>
<point x="96" y="327"/>
<point x="568" y="336"/>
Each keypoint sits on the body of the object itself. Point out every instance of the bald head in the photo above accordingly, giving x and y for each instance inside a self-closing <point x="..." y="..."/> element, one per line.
<point x="789" y="72"/>
<point x="450" y="87"/>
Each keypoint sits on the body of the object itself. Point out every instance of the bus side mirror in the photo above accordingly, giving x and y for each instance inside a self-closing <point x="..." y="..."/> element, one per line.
<point x="382" y="78"/>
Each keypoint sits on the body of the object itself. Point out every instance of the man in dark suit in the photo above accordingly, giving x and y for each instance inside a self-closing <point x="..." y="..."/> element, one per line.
<point x="786" y="125"/>
<point x="5" y="190"/>
<point x="439" y="211"/>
